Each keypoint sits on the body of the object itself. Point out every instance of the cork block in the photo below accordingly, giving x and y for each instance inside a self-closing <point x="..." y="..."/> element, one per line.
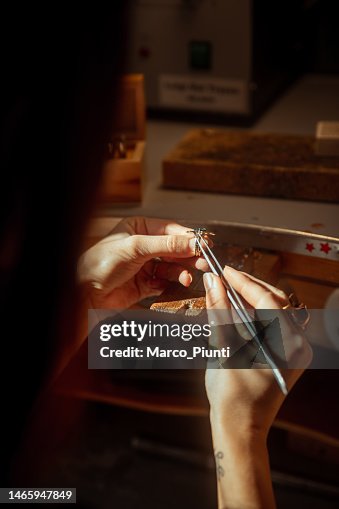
<point x="253" y="164"/>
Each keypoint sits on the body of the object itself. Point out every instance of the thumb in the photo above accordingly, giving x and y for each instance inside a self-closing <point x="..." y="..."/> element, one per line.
<point x="216" y="297"/>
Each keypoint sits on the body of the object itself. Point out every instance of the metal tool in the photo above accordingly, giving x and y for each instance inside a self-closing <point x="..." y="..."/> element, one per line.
<point x="236" y="301"/>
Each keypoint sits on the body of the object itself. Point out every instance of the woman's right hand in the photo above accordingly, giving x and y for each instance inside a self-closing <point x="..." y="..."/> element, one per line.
<point x="250" y="398"/>
<point x="244" y="402"/>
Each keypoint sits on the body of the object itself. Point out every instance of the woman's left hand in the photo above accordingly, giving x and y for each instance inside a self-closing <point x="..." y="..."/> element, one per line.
<point x="137" y="260"/>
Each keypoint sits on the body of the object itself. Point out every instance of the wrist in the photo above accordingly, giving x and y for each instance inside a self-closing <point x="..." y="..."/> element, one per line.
<point x="243" y="426"/>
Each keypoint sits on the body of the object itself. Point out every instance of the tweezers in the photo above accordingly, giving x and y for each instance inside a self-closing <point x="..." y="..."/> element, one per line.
<point x="237" y="303"/>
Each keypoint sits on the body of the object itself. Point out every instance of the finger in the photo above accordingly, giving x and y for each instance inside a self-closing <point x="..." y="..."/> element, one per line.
<point x="166" y="227"/>
<point x="152" y="226"/>
<point x="219" y="312"/>
<point x="171" y="272"/>
<point x="297" y="350"/>
<point x="173" y="246"/>
<point x="128" y="295"/>
<point x="281" y="296"/>
<point x="257" y="295"/>
<point x="216" y="297"/>
<point x="195" y="263"/>
<point x="216" y="300"/>
<point x="155" y="226"/>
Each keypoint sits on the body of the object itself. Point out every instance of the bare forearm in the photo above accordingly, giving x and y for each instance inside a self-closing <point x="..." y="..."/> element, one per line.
<point x="242" y="466"/>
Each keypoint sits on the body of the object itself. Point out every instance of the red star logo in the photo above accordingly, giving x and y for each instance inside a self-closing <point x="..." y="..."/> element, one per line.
<point x="325" y="248"/>
<point x="310" y="247"/>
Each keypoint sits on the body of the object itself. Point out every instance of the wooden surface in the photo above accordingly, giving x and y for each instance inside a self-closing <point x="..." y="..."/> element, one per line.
<point x="130" y="117"/>
<point x="309" y="411"/>
<point x="326" y="271"/>
<point x="244" y="163"/>
<point x="313" y="294"/>
<point x="122" y="178"/>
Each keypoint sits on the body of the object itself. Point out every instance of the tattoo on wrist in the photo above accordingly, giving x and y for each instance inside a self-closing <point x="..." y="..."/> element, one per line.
<point x="219" y="469"/>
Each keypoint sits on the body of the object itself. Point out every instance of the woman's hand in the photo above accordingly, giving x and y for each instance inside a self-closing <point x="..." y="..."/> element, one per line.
<point x="250" y="398"/>
<point x="137" y="260"/>
<point x="244" y="402"/>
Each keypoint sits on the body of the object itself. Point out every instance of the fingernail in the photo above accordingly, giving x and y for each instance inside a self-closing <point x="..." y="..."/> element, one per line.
<point x="97" y="286"/>
<point x="185" y="278"/>
<point x="209" y="281"/>
<point x="229" y="269"/>
<point x="281" y="293"/>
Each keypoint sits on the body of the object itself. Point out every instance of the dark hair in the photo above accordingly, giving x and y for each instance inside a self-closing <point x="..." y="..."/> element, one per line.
<point x="59" y="72"/>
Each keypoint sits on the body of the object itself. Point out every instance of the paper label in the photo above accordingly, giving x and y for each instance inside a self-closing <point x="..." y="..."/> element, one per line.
<point x="202" y="93"/>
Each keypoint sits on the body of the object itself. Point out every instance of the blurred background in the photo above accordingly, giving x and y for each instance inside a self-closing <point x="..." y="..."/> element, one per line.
<point x="227" y="61"/>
